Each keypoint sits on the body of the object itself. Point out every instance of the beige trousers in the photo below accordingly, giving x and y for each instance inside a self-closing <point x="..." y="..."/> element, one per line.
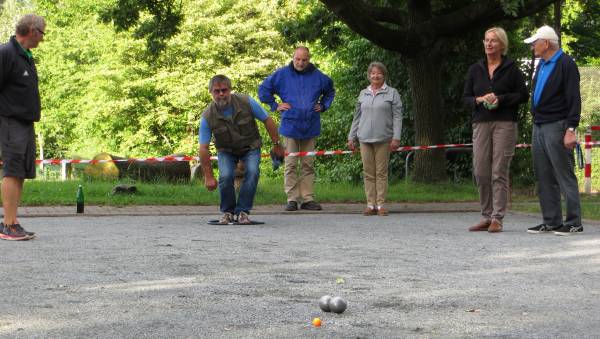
<point x="375" y="160"/>
<point x="299" y="186"/>
<point x="493" y="149"/>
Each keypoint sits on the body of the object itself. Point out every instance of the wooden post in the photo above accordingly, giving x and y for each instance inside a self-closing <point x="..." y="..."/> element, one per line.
<point x="41" y="143"/>
<point x="65" y="170"/>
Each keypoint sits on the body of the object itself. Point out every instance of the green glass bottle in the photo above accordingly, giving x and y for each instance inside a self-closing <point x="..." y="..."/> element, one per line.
<point x="80" y="201"/>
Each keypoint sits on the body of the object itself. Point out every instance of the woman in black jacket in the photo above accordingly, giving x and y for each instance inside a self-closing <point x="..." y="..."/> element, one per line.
<point x="494" y="88"/>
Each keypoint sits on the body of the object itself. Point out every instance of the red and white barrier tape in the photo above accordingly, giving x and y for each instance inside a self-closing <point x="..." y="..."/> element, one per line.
<point x="587" y="171"/>
<point x="293" y="154"/>
<point x="81" y="161"/>
<point x="415" y="148"/>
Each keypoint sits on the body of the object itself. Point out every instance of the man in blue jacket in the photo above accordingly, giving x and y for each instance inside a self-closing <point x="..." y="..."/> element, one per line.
<point x="304" y="93"/>
<point x="556" y="109"/>
<point x="19" y="109"/>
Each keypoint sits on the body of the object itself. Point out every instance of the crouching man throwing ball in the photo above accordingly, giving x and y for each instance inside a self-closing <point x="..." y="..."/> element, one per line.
<point x="231" y="120"/>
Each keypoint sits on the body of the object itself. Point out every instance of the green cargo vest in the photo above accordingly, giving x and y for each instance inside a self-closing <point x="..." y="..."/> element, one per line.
<point x="237" y="133"/>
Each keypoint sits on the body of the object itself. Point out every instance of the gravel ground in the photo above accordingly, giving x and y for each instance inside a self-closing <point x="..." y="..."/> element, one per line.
<point x="406" y="275"/>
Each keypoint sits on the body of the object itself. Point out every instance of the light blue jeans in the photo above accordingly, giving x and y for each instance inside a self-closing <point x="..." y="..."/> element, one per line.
<point x="227" y="164"/>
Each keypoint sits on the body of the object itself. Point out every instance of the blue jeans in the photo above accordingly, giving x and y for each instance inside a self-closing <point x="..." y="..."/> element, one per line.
<point x="227" y="163"/>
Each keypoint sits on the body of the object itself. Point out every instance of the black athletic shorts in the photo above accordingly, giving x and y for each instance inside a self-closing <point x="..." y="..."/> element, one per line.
<point x="17" y="143"/>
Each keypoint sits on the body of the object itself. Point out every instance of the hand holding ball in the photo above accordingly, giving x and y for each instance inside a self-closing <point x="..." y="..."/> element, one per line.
<point x="490" y="106"/>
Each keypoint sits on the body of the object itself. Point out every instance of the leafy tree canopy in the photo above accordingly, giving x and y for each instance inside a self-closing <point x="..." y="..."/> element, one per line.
<point x="581" y="22"/>
<point x="100" y="91"/>
<point x="157" y="21"/>
<point x="107" y="89"/>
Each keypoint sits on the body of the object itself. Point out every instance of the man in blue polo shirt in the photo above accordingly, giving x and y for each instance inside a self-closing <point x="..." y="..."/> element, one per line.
<point x="230" y="119"/>
<point x="556" y="109"/>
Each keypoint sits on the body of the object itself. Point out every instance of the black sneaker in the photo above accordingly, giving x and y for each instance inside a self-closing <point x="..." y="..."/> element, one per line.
<point x="20" y="229"/>
<point x="291" y="206"/>
<point x="568" y="230"/>
<point x="541" y="228"/>
<point x="311" y="206"/>
<point x="11" y="233"/>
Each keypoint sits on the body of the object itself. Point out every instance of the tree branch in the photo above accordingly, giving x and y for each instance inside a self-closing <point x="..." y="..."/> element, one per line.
<point x="353" y="14"/>
<point x="479" y="14"/>
<point x="387" y="14"/>
<point x="417" y="30"/>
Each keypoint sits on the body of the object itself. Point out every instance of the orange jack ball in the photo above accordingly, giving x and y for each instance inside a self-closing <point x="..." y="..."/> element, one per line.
<point x="316" y="322"/>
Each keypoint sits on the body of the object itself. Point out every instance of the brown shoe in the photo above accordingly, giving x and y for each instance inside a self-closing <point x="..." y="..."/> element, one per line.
<point x="482" y="225"/>
<point x="370" y="211"/>
<point x="226" y="219"/>
<point x="495" y="226"/>
<point x="243" y="219"/>
<point x="382" y="212"/>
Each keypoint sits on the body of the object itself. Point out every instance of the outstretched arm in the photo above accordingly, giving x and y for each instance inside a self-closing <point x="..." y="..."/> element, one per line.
<point x="271" y="128"/>
<point x="209" y="179"/>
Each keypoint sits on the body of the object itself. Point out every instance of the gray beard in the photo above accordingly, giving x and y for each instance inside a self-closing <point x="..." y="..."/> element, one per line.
<point x="221" y="104"/>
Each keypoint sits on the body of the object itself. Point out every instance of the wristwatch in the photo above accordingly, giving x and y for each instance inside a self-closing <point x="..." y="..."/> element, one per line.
<point x="571" y="129"/>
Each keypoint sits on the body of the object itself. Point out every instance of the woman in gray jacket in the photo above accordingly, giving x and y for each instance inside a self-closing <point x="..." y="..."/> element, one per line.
<point x="377" y="125"/>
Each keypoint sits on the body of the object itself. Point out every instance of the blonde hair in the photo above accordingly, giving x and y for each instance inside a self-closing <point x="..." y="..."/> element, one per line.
<point x="501" y="34"/>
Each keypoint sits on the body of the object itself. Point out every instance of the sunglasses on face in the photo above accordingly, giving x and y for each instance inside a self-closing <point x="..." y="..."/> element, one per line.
<point x="220" y="90"/>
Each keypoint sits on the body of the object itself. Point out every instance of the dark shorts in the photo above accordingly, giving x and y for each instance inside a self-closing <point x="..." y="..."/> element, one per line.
<point x="17" y="143"/>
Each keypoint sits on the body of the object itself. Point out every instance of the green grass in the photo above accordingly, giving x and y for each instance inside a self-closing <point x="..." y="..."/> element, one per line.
<point x="270" y="191"/>
<point x="40" y="193"/>
<point x="400" y="191"/>
<point x="590" y="206"/>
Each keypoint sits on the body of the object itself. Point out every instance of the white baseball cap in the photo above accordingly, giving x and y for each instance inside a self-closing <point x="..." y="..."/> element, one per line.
<point x="544" y="32"/>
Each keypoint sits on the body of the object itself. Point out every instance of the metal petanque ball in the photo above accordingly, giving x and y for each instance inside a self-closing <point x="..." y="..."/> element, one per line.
<point x="489" y="106"/>
<point x="324" y="303"/>
<point x="337" y="305"/>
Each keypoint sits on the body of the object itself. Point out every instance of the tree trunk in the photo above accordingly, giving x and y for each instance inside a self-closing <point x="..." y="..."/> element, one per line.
<point x="424" y="72"/>
<point x="557" y="18"/>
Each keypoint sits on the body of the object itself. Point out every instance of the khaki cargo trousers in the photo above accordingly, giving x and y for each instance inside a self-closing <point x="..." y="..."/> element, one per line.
<point x="493" y="149"/>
